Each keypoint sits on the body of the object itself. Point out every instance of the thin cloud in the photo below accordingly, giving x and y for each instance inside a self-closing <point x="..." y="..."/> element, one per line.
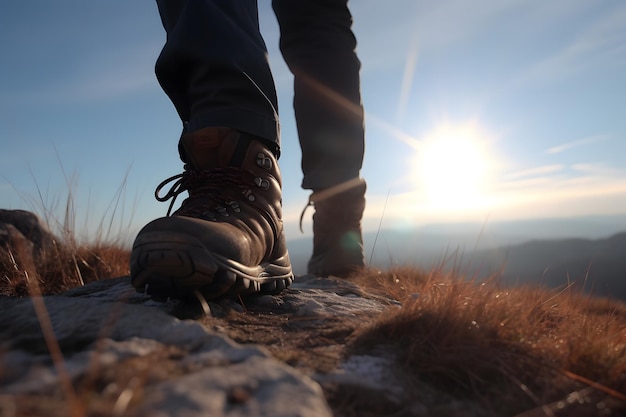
<point x="420" y="22"/>
<point x="535" y="171"/>
<point x="599" y="170"/>
<point x="551" y="190"/>
<point x="576" y="143"/>
<point x="108" y="74"/>
<point x="582" y="180"/>
<point x="599" y="45"/>
<point x="116" y="73"/>
<point x="545" y="197"/>
<point x="407" y="81"/>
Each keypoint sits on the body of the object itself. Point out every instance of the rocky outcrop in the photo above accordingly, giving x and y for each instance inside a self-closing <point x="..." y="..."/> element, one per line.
<point x="144" y="358"/>
<point x="24" y="225"/>
<point x="23" y="229"/>
<point x="190" y="370"/>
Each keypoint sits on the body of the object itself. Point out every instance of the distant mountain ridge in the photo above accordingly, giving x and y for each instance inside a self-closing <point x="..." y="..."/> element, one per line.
<point x="594" y="265"/>
<point x="534" y="251"/>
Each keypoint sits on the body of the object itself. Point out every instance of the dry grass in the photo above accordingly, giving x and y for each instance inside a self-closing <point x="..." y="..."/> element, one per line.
<point x="63" y="266"/>
<point x="510" y="348"/>
<point x="68" y="261"/>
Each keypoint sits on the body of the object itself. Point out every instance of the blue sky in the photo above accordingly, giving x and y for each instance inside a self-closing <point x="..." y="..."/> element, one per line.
<point x="475" y="110"/>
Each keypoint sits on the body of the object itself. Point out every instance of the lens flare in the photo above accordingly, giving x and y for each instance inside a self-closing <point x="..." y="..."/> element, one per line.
<point x="452" y="167"/>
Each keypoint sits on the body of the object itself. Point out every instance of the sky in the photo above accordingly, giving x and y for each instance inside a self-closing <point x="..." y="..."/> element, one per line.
<point x="488" y="109"/>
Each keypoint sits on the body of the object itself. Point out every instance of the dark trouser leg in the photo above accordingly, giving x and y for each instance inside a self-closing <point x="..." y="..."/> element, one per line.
<point x="214" y="66"/>
<point x="227" y="237"/>
<point x="319" y="47"/>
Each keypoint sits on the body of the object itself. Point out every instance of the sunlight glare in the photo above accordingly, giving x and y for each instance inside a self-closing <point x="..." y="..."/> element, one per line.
<point x="452" y="167"/>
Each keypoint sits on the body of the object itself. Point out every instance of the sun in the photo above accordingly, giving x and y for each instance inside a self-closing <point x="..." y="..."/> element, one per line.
<point x="453" y="167"/>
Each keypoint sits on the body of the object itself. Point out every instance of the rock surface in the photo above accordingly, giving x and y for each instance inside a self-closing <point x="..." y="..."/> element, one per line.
<point x="147" y="358"/>
<point x="191" y="370"/>
<point x="23" y="229"/>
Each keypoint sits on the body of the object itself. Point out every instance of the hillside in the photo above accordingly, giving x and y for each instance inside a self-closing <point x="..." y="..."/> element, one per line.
<point x="595" y="266"/>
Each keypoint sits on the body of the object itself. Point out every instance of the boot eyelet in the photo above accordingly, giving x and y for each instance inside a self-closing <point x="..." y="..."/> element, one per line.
<point x="248" y="194"/>
<point x="262" y="183"/>
<point x="264" y="161"/>
<point x="234" y="206"/>
<point x="208" y="215"/>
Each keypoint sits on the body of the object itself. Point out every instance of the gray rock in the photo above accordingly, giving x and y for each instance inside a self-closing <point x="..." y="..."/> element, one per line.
<point x="257" y="387"/>
<point x="104" y="324"/>
<point x="106" y="328"/>
<point x="23" y="229"/>
<point x="23" y="238"/>
<point x="315" y="303"/>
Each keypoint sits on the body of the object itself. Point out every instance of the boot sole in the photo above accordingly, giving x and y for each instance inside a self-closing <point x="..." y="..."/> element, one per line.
<point x="175" y="265"/>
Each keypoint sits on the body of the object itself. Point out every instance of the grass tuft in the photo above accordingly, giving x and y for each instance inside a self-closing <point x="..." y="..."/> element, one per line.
<point x="63" y="267"/>
<point x="69" y="260"/>
<point x="523" y="346"/>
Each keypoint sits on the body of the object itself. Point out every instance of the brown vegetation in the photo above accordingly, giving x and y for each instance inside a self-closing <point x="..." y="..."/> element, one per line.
<point x="512" y="349"/>
<point x="61" y="267"/>
<point x="67" y="261"/>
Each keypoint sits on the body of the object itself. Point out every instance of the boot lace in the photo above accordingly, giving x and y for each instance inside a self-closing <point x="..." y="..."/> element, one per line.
<point x="332" y="192"/>
<point x="211" y="183"/>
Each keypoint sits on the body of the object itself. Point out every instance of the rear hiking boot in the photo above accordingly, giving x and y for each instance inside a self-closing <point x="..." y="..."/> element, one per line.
<point x="337" y="235"/>
<point x="227" y="237"/>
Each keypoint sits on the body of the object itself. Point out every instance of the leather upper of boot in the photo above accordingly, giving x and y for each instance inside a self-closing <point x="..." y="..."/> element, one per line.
<point x="337" y="236"/>
<point x="234" y="182"/>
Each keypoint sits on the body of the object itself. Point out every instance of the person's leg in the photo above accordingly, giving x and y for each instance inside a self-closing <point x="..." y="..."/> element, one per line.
<point x="227" y="237"/>
<point x="214" y="66"/>
<point x="319" y="47"/>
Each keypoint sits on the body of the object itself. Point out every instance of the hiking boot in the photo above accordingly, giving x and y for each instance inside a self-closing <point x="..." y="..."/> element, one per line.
<point x="227" y="237"/>
<point x="337" y="237"/>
